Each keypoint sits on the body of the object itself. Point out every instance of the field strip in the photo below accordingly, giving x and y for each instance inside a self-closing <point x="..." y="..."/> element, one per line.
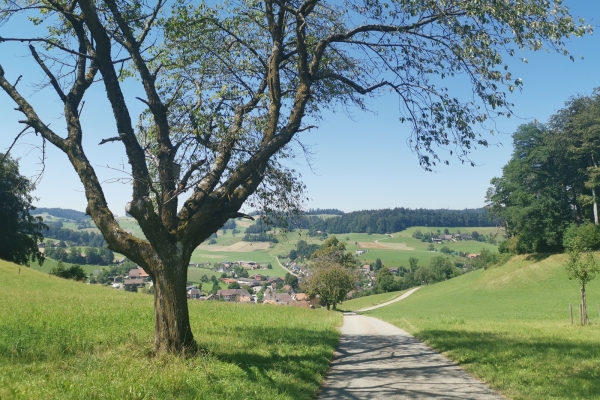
<point x="239" y="247"/>
<point x="394" y="246"/>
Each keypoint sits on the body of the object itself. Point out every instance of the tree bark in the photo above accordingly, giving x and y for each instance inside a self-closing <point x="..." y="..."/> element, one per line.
<point x="584" y="317"/>
<point x="172" y="330"/>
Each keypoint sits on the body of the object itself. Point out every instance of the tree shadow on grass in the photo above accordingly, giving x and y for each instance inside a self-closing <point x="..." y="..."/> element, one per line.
<point x="301" y="354"/>
<point x="537" y="257"/>
<point x="537" y="367"/>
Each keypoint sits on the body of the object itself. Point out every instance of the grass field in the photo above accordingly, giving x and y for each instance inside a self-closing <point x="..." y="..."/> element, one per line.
<point x="509" y="326"/>
<point x="65" y="340"/>
<point x="368" y="301"/>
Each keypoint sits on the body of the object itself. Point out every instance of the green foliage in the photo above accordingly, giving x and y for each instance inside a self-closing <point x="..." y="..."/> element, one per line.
<point x="331" y="282"/>
<point x="291" y="280"/>
<point x="581" y="266"/>
<point x="552" y="178"/>
<point x="384" y="281"/>
<point x="75" y="272"/>
<point x="445" y="250"/>
<point x="233" y="285"/>
<point x="20" y="231"/>
<point x="584" y="237"/>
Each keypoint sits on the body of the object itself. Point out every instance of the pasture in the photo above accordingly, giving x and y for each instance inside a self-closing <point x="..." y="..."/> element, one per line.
<point x="63" y="339"/>
<point x="509" y="326"/>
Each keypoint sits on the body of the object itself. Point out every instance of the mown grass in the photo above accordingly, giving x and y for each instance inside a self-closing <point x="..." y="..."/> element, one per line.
<point x="510" y="327"/>
<point x="368" y="301"/>
<point x="67" y="340"/>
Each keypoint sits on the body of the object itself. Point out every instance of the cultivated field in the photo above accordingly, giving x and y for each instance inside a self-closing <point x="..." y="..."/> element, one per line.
<point x="61" y="339"/>
<point x="509" y="326"/>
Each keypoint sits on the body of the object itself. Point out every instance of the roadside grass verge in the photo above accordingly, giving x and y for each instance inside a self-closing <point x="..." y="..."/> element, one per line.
<point x="509" y="326"/>
<point x="63" y="339"/>
<point x="368" y="301"/>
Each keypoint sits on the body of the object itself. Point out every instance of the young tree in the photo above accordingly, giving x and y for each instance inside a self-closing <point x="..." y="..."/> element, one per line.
<point x="227" y="89"/>
<point x="20" y="232"/>
<point x="583" y="268"/>
<point x="384" y="282"/>
<point x="331" y="282"/>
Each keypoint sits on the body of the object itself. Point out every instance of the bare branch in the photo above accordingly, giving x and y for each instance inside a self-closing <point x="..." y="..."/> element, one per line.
<point x="49" y="74"/>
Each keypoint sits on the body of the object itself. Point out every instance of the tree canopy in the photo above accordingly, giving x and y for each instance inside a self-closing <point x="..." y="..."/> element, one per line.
<point x="20" y="232"/>
<point x="229" y="87"/>
<point x="552" y="177"/>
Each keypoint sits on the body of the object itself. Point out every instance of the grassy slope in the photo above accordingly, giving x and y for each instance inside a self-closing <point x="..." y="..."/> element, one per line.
<point x="510" y="327"/>
<point x="62" y="339"/>
<point x="368" y="301"/>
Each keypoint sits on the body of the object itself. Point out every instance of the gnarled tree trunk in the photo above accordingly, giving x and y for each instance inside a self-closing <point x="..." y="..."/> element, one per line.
<point x="172" y="331"/>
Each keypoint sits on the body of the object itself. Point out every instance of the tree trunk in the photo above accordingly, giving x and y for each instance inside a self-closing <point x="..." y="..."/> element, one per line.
<point x="595" y="207"/>
<point x="328" y="305"/>
<point x="584" y="317"/>
<point x="172" y="331"/>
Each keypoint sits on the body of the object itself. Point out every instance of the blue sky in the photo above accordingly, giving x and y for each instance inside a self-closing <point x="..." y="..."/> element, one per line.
<point x="359" y="163"/>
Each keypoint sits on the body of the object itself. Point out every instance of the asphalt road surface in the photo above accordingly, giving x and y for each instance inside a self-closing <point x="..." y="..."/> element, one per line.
<point x="376" y="360"/>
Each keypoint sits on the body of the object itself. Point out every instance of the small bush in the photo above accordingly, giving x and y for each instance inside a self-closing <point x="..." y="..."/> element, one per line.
<point x="586" y="236"/>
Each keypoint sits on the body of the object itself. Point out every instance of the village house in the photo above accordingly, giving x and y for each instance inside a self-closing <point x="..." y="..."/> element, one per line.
<point x="277" y="298"/>
<point x="193" y="293"/>
<point x="138" y="273"/>
<point x="231" y="294"/>
<point x="132" y="284"/>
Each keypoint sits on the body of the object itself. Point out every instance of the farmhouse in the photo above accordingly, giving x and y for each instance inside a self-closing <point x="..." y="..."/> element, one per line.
<point x="193" y="293"/>
<point x="231" y="294"/>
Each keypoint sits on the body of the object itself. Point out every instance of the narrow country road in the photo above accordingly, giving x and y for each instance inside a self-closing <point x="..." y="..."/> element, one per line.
<point x="376" y="360"/>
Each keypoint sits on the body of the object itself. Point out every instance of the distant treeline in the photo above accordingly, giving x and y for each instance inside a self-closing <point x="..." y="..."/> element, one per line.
<point x="328" y="211"/>
<point x="62" y="213"/>
<point x="260" y="237"/>
<point x="398" y="219"/>
<point x="79" y="238"/>
<point x="92" y="256"/>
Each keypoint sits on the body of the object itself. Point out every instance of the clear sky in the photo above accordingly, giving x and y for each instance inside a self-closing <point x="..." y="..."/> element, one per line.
<point x="361" y="162"/>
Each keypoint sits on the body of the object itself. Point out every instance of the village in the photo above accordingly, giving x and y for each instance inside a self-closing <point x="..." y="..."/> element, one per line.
<point x="241" y="286"/>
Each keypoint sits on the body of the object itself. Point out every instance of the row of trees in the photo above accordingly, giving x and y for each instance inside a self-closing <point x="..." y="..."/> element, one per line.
<point x="92" y="255"/>
<point x="552" y="179"/>
<point x="398" y="219"/>
<point x="79" y="238"/>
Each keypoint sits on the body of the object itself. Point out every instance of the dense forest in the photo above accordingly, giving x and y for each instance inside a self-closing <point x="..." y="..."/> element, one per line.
<point x="552" y="180"/>
<point x="398" y="219"/>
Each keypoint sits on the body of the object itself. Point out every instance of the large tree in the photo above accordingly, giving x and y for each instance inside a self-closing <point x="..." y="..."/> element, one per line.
<point x="228" y="89"/>
<point x="552" y="178"/>
<point x="20" y="231"/>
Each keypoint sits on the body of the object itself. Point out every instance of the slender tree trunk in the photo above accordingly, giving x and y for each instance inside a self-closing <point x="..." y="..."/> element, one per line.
<point x="172" y="331"/>
<point x="584" y="317"/>
<point x="328" y="305"/>
<point x="594" y="196"/>
<point x="595" y="207"/>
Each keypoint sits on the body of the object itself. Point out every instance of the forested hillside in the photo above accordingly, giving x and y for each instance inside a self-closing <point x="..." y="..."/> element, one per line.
<point x="398" y="219"/>
<point x="62" y="213"/>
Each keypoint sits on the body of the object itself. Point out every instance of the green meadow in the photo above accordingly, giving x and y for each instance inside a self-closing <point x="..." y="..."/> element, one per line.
<point x="61" y="339"/>
<point x="509" y="326"/>
<point x="368" y="301"/>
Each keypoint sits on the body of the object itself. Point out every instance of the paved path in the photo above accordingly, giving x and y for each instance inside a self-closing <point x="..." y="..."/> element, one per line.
<point x="405" y="295"/>
<point x="376" y="360"/>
